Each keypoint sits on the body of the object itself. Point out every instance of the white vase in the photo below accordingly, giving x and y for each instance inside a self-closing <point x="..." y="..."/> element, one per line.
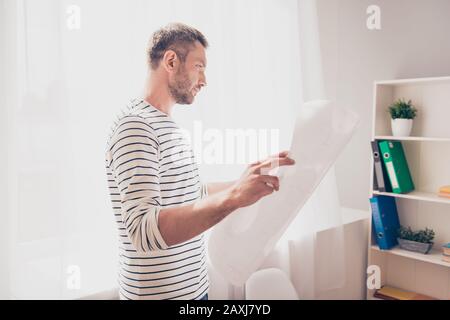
<point x="401" y="127"/>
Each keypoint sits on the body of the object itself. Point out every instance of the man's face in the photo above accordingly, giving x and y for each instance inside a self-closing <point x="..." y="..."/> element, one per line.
<point x="188" y="80"/>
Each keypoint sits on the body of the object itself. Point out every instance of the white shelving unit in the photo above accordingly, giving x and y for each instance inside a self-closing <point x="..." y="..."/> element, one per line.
<point x="416" y="195"/>
<point x="428" y="155"/>
<point x="434" y="256"/>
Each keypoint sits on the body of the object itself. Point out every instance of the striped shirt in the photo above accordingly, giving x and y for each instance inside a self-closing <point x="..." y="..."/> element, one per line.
<point x="151" y="166"/>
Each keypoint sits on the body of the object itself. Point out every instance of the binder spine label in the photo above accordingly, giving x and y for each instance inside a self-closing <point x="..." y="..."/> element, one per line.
<point x="392" y="175"/>
<point x="379" y="177"/>
<point x="381" y="241"/>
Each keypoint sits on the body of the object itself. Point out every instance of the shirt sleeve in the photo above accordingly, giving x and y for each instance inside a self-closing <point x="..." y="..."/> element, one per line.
<point x="134" y="161"/>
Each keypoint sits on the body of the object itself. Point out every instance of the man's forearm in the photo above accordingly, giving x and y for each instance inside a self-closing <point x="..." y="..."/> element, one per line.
<point x="179" y="224"/>
<point x="216" y="187"/>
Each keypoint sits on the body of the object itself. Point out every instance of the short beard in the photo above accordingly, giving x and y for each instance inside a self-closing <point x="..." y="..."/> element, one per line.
<point x="179" y="89"/>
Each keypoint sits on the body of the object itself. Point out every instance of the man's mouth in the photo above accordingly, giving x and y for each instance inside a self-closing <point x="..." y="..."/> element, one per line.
<point x="195" y="91"/>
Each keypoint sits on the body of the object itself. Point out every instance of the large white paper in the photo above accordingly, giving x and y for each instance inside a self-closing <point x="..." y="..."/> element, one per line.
<point x="238" y="245"/>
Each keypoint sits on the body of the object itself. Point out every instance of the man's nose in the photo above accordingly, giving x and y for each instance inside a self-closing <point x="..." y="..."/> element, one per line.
<point x="202" y="81"/>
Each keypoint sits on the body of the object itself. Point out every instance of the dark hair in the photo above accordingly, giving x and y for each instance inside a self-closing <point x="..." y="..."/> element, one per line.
<point x="175" y="36"/>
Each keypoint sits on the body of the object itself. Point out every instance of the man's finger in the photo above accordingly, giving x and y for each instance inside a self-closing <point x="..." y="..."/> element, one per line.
<point x="274" y="163"/>
<point x="284" y="154"/>
<point x="281" y="154"/>
<point x="273" y="181"/>
<point x="268" y="190"/>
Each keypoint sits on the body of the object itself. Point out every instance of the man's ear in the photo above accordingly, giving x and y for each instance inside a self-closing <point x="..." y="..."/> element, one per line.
<point x="170" y="60"/>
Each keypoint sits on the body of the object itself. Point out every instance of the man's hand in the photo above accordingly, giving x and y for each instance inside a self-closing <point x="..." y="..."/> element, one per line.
<point x="180" y="223"/>
<point x="255" y="183"/>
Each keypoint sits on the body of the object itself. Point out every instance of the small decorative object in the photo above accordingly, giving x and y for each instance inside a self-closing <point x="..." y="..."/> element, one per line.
<point x="402" y="115"/>
<point x="446" y="249"/>
<point x="418" y="241"/>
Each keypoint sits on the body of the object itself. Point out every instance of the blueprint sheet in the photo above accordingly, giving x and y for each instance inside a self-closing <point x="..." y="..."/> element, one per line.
<point x="239" y="243"/>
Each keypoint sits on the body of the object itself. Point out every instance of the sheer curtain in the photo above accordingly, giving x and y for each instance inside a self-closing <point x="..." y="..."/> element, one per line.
<point x="316" y="259"/>
<point x="69" y="66"/>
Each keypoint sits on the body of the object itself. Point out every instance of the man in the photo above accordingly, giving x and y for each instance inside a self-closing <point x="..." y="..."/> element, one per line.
<point x="161" y="205"/>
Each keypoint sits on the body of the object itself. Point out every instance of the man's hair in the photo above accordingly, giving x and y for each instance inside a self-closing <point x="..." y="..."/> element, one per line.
<point x="177" y="37"/>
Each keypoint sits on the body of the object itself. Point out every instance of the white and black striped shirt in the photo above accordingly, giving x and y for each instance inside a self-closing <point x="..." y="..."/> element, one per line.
<point x="150" y="165"/>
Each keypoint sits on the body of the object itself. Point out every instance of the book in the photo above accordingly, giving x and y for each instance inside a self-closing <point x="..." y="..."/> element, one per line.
<point x="385" y="221"/>
<point x="444" y="192"/>
<point x="444" y="189"/>
<point x="380" y="178"/>
<point x="444" y="195"/>
<point x="396" y="166"/>
<point x="391" y="293"/>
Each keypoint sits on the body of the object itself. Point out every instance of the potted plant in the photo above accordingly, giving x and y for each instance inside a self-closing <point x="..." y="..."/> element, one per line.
<point x="418" y="241"/>
<point x="402" y="115"/>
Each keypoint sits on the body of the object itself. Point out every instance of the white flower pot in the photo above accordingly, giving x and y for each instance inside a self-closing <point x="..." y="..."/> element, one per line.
<point x="401" y="127"/>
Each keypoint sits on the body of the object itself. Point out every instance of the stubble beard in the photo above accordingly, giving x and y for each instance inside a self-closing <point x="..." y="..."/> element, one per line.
<point x="180" y="88"/>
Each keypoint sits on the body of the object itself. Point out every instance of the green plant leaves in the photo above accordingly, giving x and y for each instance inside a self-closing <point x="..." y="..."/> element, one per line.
<point x="423" y="236"/>
<point x="402" y="110"/>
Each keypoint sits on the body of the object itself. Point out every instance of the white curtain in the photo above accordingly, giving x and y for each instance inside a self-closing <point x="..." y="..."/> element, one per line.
<point x="316" y="259"/>
<point x="63" y="80"/>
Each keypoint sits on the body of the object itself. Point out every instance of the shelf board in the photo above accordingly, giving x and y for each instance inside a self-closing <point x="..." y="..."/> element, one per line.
<point x="434" y="256"/>
<point x="420" y="139"/>
<point x="416" y="195"/>
<point x="431" y="80"/>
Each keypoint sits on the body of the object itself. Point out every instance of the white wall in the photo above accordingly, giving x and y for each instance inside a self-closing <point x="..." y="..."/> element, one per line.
<point x="5" y="57"/>
<point x="413" y="42"/>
